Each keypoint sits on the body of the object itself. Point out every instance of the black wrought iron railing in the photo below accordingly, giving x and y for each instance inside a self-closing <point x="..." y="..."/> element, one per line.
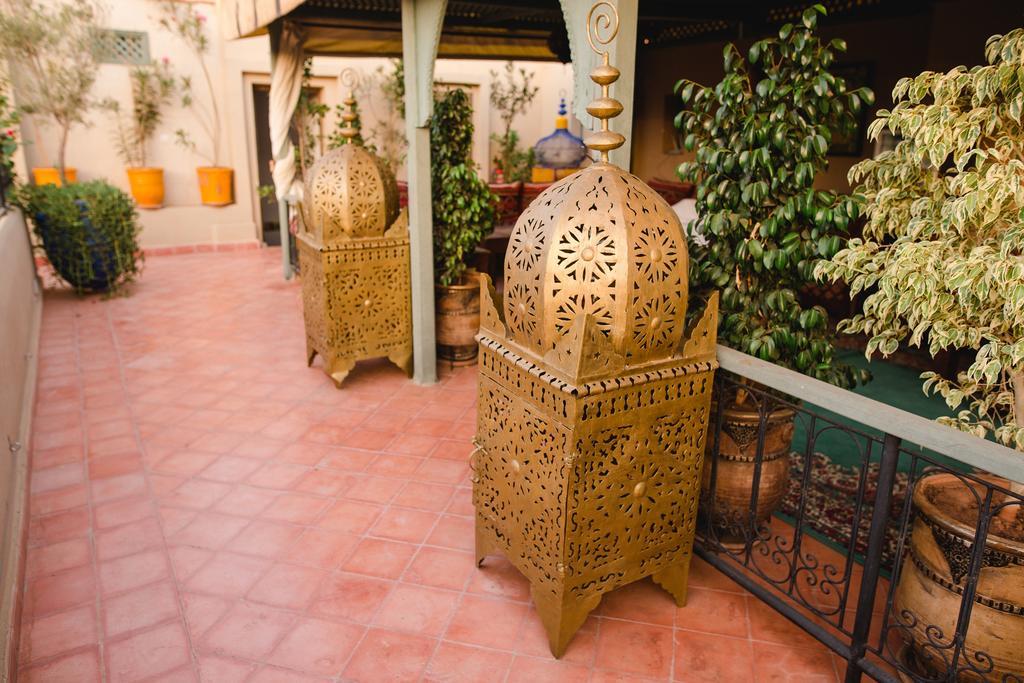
<point x="896" y="542"/>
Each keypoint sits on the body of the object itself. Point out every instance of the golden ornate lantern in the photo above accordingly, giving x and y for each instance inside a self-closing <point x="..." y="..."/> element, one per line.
<point x="354" y="259"/>
<point x="593" y="404"/>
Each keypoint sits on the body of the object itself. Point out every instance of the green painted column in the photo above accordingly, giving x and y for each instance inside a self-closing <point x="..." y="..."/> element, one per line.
<point x="421" y="34"/>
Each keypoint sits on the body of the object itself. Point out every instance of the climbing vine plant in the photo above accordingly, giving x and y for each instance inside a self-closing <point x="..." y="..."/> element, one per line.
<point x="942" y="256"/>
<point x="761" y="136"/>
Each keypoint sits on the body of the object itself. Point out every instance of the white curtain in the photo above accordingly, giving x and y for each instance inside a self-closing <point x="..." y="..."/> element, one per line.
<point x="286" y="55"/>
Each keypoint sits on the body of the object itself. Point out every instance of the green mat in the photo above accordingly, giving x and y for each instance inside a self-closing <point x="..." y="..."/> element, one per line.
<point x="895" y="385"/>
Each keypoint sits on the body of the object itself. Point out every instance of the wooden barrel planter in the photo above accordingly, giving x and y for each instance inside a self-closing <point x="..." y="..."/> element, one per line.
<point x="457" y="311"/>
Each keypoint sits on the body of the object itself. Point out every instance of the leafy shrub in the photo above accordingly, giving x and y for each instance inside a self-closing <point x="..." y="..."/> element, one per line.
<point x="510" y="97"/>
<point x="151" y="88"/>
<point x="89" y="232"/>
<point x="943" y="249"/>
<point x="464" y="207"/>
<point x="762" y="134"/>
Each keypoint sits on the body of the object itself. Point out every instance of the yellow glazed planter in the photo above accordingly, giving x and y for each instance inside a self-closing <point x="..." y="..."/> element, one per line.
<point x="215" y="185"/>
<point x="51" y="176"/>
<point x="147" y="185"/>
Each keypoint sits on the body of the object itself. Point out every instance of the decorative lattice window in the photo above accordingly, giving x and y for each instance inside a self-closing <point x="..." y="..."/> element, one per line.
<point x="125" y="47"/>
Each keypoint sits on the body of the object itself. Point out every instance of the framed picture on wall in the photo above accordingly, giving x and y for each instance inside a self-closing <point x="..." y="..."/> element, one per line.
<point x="856" y="76"/>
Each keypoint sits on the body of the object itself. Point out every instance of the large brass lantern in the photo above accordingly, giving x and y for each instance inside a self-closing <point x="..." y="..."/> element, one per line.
<point x="354" y="260"/>
<point x="593" y="403"/>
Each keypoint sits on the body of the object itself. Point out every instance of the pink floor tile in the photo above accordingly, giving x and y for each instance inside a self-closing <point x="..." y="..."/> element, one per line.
<point x="287" y="586"/>
<point x="417" y="609"/>
<point x="83" y="667"/>
<point x="389" y="657"/>
<point x="59" y="633"/>
<point x="140" y="609"/>
<point x="146" y="654"/>
<point x="351" y="596"/>
<point x="248" y="631"/>
<point x="205" y="509"/>
<point x="132" y="571"/>
<point x="316" y="646"/>
<point x="60" y="591"/>
<point x="456" y="663"/>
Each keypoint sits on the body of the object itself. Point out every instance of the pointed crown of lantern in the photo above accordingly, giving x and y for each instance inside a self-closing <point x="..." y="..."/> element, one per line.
<point x="596" y="269"/>
<point x="349" y="193"/>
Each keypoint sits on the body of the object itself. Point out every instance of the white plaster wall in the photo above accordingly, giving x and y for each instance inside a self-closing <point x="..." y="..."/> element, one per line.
<point x="235" y="66"/>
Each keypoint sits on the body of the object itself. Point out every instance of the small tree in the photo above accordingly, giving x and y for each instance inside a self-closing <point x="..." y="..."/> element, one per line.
<point x="151" y="87"/>
<point x="181" y="19"/>
<point x="388" y="132"/>
<point x="510" y="97"/>
<point x="762" y="135"/>
<point x="463" y="206"/>
<point x="55" y="48"/>
<point x="943" y="249"/>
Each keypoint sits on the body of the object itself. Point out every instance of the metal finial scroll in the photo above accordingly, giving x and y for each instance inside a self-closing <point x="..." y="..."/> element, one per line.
<point x="603" y="17"/>
<point x="349" y="78"/>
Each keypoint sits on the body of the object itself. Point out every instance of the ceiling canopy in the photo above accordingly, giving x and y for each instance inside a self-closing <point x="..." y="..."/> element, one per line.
<point x="526" y="29"/>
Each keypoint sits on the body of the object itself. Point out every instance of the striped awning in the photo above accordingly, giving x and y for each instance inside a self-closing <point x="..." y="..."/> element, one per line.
<point x="243" y="18"/>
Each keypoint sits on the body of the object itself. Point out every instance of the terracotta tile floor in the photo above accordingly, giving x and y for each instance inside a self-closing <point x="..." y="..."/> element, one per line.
<point x="204" y="507"/>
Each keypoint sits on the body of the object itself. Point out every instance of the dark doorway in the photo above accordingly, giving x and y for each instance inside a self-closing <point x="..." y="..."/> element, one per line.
<point x="270" y="221"/>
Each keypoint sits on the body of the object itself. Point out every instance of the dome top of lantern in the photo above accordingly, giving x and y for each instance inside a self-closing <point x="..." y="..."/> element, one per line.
<point x="349" y="192"/>
<point x="602" y="248"/>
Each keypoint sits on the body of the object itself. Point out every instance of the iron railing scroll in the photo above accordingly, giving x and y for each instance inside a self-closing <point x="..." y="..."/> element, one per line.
<point x="903" y="586"/>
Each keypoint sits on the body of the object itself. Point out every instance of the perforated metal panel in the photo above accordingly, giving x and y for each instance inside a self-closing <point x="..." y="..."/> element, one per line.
<point x="125" y="47"/>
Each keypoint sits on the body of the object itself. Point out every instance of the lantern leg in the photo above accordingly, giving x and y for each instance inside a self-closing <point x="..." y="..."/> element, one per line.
<point x="338" y="369"/>
<point x="484" y="547"/>
<point x="674" y="579"/>
<point x="403" y="359"/>
<point x="563" y="618"/>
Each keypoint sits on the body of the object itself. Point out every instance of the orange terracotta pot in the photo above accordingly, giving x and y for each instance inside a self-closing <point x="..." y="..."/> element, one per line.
<point x="51" y="176"/>
<point x="215" y="185"/>
<point x="147" y="186"/>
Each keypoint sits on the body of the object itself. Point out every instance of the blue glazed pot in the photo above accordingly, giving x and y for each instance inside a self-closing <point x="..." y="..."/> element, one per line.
<point x="63" y="253"/>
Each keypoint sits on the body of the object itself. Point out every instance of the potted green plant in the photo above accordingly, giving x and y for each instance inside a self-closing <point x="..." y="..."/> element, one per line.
<point x="89" y="232"/>
<point x="56" y="46"/>
<point x="151" y="89"/>
<point x="942" y="263"/>
<point x="463" y="213"/>
<point x="216" y="182"/>
<point x="511" y="94"/>
<point x="761" y="136"/>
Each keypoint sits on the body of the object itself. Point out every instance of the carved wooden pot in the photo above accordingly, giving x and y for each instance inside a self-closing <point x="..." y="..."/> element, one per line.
<point x="734" y="479"/>
<point x="457" y="310"/>
<point x="934" y="573"/>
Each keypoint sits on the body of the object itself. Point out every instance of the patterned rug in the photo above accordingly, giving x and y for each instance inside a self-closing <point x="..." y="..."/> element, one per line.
<point x="831" y="503"/>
